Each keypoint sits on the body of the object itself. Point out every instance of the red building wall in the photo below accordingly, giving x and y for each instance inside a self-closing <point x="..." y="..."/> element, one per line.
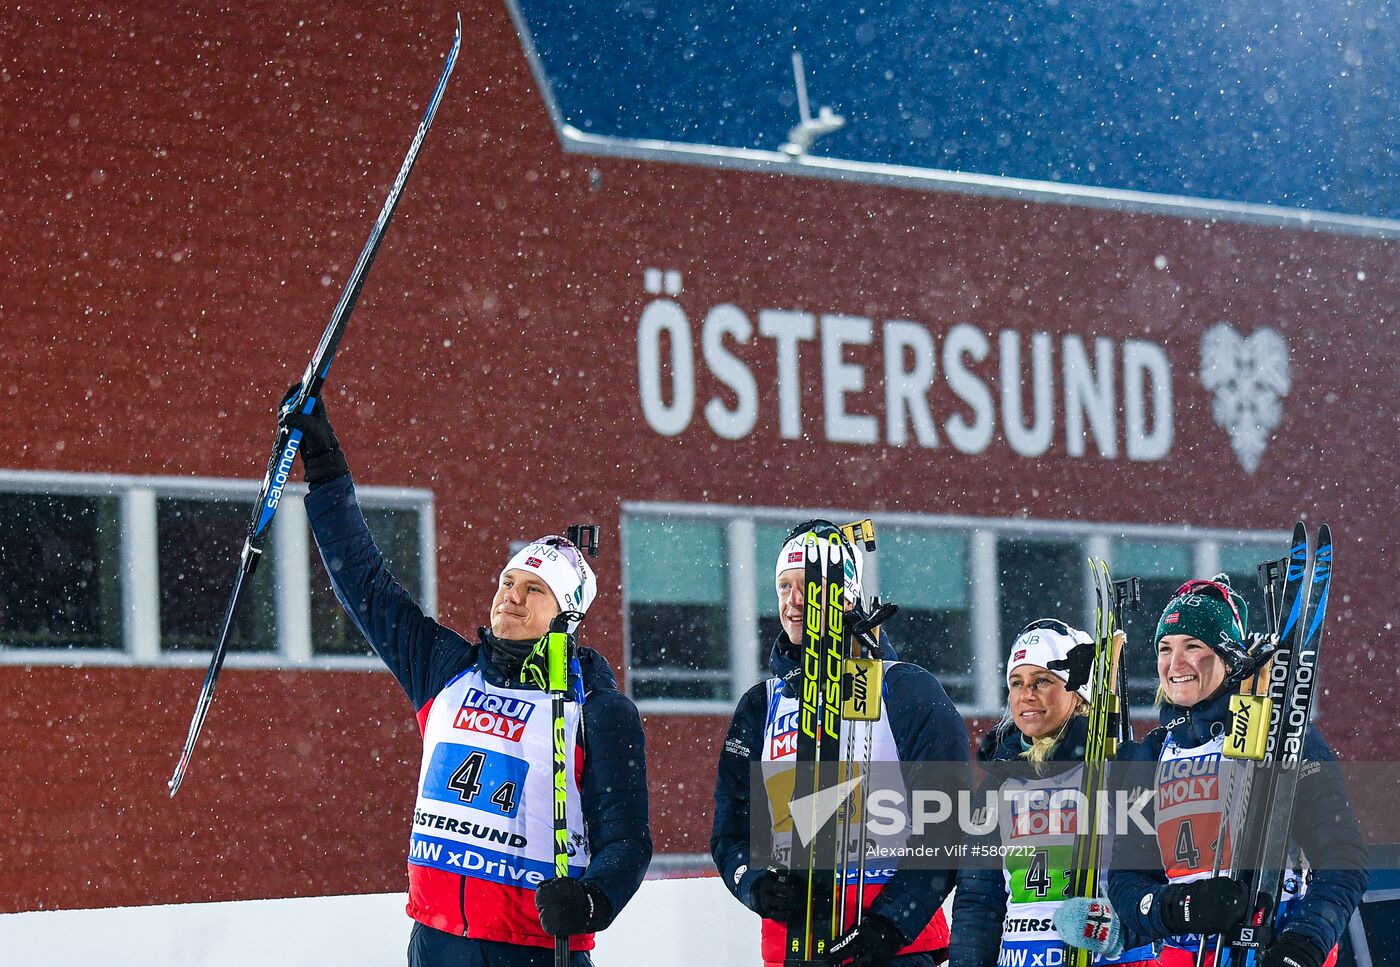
<point x="185" y="189"/>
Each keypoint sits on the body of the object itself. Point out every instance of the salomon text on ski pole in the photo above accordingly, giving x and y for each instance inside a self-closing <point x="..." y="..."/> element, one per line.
<point x="303" y="400"/>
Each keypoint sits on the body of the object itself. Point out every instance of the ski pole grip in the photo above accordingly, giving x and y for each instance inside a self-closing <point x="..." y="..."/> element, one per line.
<point x="557" y="662"/>
<point x="556" y="654"/>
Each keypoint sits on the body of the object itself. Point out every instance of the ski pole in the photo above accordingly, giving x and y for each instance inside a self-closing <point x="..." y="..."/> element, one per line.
<point x="279" y="467"/>
<point x="560" y="655"/>
<point x="866" y="675"/>
<point x="557" y="660"/>
<point x="1127" y="594"/>
<point x="1250" y="711"/>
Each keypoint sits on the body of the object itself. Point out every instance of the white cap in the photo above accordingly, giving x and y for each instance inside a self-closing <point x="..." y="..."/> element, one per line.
<point x="1043" y="642"/>
<point x="794" y="554"/>
<point x="562" y="567"/>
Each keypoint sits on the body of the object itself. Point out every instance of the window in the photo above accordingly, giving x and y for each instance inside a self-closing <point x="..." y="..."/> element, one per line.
<point x="925" y="572"/>
<point x="701" y="614"/>
<point x="676" y="619"/>
<point x="1161" y="567"/>
<point x="396" y="534"/>
<point x="199" y="543"/>
<point x="1039" y="578"/>
<point x="108" y="568"/>
<point x="59" y="585"/>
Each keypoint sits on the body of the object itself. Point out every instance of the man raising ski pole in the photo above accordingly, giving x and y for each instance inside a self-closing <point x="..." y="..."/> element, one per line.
<point x="900" y="921"/>
<point x="481" y="884"/>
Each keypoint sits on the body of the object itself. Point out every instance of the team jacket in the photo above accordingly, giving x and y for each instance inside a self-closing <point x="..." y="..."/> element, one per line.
<point x="1317" y="906"/>
<point x="919" y="723"/>
<point x="1006" y="916"/>
<point x="482" y="833"/>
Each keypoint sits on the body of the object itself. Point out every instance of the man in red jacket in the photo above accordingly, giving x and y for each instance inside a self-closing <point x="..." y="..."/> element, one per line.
<point x="902" y="922"/>
<point x="481" y="886"/>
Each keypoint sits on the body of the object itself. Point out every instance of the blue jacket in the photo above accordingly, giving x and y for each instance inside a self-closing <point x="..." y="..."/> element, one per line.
<point x="1323" y="825"/>
<point x="926" y="728"/>
<point x="979" y="906"/>
<point x="424" y="656"/>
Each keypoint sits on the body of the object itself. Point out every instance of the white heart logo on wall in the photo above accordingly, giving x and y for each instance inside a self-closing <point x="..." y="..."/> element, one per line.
<point x="1248" y="376"/>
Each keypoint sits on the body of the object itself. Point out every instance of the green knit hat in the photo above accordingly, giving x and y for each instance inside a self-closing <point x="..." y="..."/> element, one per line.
<point x="1210" y="610"/>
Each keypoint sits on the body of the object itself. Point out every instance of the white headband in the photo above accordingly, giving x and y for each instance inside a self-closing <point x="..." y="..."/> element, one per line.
<point x="794" y="554"/>
<point x="563" y="569"/>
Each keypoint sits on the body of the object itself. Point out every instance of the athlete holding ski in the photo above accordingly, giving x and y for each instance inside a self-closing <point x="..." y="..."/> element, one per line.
<point x="1168" y="888"/>
<point x="901" y="921"/>
<point x="481" y="880"/>
<point x="1033" y="758"/>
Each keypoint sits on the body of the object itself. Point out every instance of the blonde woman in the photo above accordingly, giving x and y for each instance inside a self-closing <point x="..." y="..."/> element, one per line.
<point x="1005" y="916"/>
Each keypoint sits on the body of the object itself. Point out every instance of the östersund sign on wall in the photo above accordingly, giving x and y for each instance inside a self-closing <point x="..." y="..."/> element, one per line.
<point x="1090" y="380"/>
<point x="1072" y="388"/>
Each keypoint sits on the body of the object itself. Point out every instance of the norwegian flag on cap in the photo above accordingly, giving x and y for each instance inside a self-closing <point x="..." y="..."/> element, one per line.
<point x="1172" y="618"/>
<point x="795" y="557"/>
<point x="1019" y="655"/>
<point x="534" y="562"/>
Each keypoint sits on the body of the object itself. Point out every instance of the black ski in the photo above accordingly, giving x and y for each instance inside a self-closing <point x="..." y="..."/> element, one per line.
<point x="279" y="467"/>
<point x="819" y="737"/>
<point x="1252" y="738"/>
<point x="1256" y="712"/>
<point x="1290" y="721"/>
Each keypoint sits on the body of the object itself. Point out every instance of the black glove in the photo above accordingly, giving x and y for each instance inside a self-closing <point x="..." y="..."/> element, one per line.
<point x="1205" y="906"/>
<point x="528" y="661"/>
<point x="570" y="906"/>
<point x="1293" y="950"/>
<point x="778" y="895"/>
<point x="321" y="456"/>
<point x="872" y="943"/>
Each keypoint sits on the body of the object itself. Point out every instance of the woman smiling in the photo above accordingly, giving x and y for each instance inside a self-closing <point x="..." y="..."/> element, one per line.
<point x="1168" y="887"/>
<point x="1034" y="756"/>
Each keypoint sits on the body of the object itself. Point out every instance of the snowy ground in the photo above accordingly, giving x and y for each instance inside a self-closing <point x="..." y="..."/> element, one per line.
<point x="678" y="921"/>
